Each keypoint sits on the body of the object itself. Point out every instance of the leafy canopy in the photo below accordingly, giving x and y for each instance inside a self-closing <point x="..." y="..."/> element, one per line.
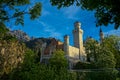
<point x="106" y="11"/>
<point x="91" y="48"/>
<point x="30" y="70"/>
<point x="58" y="59"/>
<point x="16" y="9"/>
<point x="112" y="43"/>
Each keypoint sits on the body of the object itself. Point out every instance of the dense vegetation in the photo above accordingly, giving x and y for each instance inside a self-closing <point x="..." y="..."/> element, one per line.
<point x="19" y="63"/>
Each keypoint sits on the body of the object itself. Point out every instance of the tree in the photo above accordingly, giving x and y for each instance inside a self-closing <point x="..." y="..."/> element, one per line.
<point x="104" y="56"/>
<point x="112" y="42"/>
<point x="91" y="48"/>
<point x="11" y="55"/>
<point x="16" y="9"/>
<point x="30" y="70"/>
<point x="106" y="61"/>
<point x="105" y="64"/>
<point x="58" y="59"/>
<point x="3" y="31"/>
<point x="106" y="11"/>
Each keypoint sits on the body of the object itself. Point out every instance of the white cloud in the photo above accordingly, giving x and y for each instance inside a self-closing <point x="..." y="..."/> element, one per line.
<point x="50" y="31"/>
<point x="113" y="32"/>
<point x="45" y="12"/>
<point x="56" y="35"/>
<point x="71" y="12"/>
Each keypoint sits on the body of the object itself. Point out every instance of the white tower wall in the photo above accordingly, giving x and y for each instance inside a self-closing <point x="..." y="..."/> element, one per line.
<point x="66" y="44"/>
<point x="77" y="36"/>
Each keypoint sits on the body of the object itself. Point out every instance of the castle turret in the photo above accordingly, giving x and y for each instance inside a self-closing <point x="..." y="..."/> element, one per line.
<point x="66" y="44"/>
<point x="101" y="35"/>
<point x="78" y="40"/>
<point x="77" y="35"/>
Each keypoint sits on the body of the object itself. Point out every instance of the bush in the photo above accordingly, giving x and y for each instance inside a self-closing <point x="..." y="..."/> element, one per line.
<point x="84" y="65"/>
<point x="30" y="70"/>
<point x="58" y="60"/>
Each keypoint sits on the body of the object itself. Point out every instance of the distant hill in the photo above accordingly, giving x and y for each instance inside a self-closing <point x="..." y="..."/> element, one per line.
<point x="20" y="35"/>
<point x="37" y="42"/>
<point x="33" y="43"/>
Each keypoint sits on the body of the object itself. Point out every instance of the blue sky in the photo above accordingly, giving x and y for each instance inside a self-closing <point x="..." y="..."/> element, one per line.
<point x="58" y="22"/>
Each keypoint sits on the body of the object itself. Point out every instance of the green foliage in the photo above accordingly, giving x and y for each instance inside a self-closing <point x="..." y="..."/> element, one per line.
<point x="106" y="61"/>
<point x="118" y="79"/>
<point x="42" y="72"/>
<point x="83" y="65"/>
<point x="4" y="33"/>
<point x="62" y="3"/>
<point x="14" y="10"/>
<point x="58" y="59"/>
<point x="102" y="75"/>
<point x="35" y="12"/>
<point x="30" y="70"/>
<point x="3" y="30"/>
<point x="106" y="12"/>
<point x="92" y="48"/>
<point x="11" y="56"/>
<point x="9" y="38"/>
<point x="106" y="58"/>
<point x="111" y="43"/>
<point x="25" y="70"/>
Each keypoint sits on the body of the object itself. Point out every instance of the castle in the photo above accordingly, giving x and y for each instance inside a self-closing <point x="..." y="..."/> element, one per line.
<point x="47" y="47"/>
<point x="74" y="53"/>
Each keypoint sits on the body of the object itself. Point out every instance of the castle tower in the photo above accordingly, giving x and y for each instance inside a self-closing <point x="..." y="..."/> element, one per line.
<point x="66" y="44"/>
<point x="77" y="35"/>
<point x="101" y="35"/>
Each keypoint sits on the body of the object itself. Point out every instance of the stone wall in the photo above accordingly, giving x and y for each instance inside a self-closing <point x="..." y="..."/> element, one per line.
<point x="73" y="52"/>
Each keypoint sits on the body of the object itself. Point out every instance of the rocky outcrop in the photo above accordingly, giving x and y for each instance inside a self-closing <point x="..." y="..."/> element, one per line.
<point x="20" y="35"/>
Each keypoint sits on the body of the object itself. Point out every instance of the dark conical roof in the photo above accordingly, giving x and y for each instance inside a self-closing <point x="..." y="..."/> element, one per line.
<point x="100" y="29"/>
